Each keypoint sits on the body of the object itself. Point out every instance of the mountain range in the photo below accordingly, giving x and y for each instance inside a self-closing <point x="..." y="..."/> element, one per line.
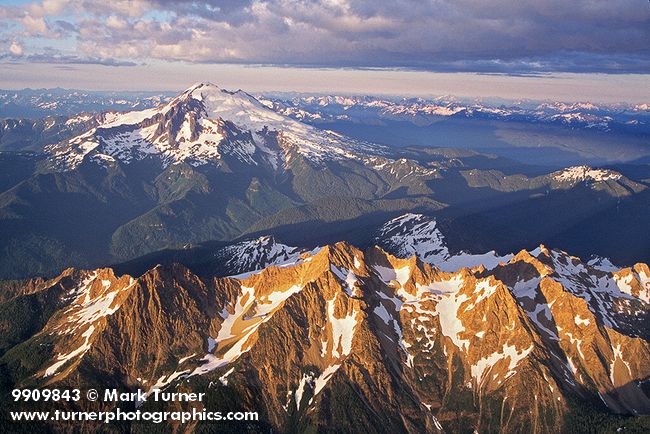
<point x="42" y="103"/>
<point x="339" y="339"/>
<point x="550" y="133"/>
<point x="213" y="241"/>
<point x="605" y="117"/>
<point x="212" y="165"/>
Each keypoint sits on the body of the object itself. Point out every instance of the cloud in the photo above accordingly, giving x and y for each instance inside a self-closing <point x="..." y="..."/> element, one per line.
<point x="47" y="7"/>
<point x="53" y="56"/>
<point x="116" y="23"/>
<point x="16" y="49"/>
<point x="34" y="25"/>
<point x="501" y="36"/>
<point x="75" y="60"/>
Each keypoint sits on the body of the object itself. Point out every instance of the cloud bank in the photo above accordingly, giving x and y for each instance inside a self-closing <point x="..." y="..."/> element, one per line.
<point x="498" y="36"/>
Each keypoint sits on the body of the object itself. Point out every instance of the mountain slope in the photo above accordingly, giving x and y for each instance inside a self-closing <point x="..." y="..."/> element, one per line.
<point x="213" y="165"/>
<point x="345" y="340"/>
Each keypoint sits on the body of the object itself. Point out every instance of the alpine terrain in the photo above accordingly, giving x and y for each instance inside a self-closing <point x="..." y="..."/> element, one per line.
<point x="339" y="339"/>
<point x="210" y="165"/>
<point x="212" y="242"/>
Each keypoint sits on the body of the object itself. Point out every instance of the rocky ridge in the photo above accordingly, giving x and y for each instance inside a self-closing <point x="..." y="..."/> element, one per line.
<point x="358" y="340"/>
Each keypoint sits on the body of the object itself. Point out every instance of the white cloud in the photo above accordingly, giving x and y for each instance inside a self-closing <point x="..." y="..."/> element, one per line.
<point x="115" y="22"/>
<point x="47" y="8"/>
<point x="34" y="25"/>
<point x="16" y="49"/>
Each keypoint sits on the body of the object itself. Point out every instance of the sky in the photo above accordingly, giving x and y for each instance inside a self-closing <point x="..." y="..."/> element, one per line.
<point x="596" y="50"/>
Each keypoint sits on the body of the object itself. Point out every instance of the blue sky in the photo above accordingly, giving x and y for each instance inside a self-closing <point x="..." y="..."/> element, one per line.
<point x="516" y="38"/>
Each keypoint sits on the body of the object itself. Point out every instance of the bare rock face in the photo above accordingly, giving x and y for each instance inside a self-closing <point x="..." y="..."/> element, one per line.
<point x="342" y="340"/>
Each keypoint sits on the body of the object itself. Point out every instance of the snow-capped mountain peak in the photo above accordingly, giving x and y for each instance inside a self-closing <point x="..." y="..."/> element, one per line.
<point x="248" y="257"/>
<point x="585" y="173"/>
<point x="206" y="124"/>
<point x="237" y="107"/>
<point x="419" y="235"/>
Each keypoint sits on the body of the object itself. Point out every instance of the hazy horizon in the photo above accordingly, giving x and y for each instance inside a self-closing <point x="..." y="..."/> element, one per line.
<point x="565" y="51"/>
<point x="565" y="87"/>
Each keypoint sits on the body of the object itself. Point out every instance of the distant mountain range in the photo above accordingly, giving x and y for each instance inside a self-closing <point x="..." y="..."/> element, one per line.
<point x="41" y="103"/>
<point x="214" y="165"/>
<point x="548" y="134"/>
<point x="604" y="117"/>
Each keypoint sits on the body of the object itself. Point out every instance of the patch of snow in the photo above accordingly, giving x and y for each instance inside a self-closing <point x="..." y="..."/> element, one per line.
<point x="184" y="359"/>
<point x="603" y="264"/>
<point x="240" y="327"/>
<point x="382" y="313"/>
<point x="78" y="352"/>
<point x="486" y="364"/>
<point x="342" y="330"/>
<point x="585" y="173"/>
<point x="489" y="260"/>
<point x="224" y="378"/>
<point x="324" y="377"/>
<point x="306" y="379"/>
<point x="349" y="278"/>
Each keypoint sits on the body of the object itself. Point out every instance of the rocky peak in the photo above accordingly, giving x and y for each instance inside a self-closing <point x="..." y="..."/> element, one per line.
<point x="252" y="256"/>
<point x="416" y="234"/>
<point x="340" y="329"/>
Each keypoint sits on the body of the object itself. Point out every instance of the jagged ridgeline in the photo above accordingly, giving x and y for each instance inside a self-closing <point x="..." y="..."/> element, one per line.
<point x="338" y="339"/>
